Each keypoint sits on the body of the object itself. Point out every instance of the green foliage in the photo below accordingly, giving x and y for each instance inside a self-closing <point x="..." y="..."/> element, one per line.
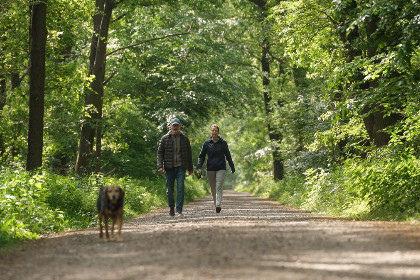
<point x="193" y="73"/>
<point x="326" y="193"/>
<point x="14" y="128"/>
<point x="195" y="188"/>
<point x="24" y="211"/>
<point x="383" y="186"/>
<point x="129" y="139"/>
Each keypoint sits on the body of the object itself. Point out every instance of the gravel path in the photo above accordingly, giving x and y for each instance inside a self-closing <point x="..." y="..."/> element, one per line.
<point x="252" y="238"/>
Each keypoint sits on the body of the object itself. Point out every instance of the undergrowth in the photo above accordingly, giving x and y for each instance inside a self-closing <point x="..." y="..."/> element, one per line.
<point x="380" y="187"/>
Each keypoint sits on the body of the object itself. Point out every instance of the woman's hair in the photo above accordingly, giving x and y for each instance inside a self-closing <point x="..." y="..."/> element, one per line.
<point x="216" y="126"/>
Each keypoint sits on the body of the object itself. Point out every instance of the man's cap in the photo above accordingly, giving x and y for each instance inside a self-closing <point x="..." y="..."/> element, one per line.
<point x="175" y="121"/>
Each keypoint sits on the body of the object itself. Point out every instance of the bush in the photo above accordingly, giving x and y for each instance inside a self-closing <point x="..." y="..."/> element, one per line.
<point x="385" y="185"/>
<point x="382" y="186"/>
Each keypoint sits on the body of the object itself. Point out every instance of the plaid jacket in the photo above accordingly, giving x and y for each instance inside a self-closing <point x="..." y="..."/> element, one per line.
<point x="166" y="150"/>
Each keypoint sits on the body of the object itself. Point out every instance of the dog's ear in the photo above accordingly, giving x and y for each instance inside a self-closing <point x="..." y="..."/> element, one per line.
<point x="105" y="196"/>
<point x="102" y="202"/>
<point x="105" y="190"/>
<point x="122" y="194"/>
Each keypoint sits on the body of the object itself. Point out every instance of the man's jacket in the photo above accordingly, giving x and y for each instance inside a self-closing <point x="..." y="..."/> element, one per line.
<point x="165" y="152"/>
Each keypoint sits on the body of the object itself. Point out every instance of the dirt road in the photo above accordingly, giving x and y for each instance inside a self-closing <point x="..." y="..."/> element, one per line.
<point x="251" y="238"/>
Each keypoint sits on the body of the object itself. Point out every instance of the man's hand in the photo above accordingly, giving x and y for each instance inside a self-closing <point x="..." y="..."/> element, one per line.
<point x="160" y="170"/>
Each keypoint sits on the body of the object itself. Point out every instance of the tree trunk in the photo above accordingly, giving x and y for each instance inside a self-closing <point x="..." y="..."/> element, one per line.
<point x="275" y="137"/>
<point x="36" y="85"/>
<point x="377" y="120"/>
<point x="87" y="134"/>
<point x="91" y="126"/>
<point x="2" y="91"/>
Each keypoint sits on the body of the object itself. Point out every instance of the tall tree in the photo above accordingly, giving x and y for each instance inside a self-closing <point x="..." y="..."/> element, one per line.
<point x="38" y="33"/>
<point x="274" y="134"/>
<point x="91" y="126"/>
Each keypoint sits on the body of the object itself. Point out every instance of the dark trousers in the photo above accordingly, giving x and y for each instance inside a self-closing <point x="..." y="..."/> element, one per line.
<point x="178" y="174"/>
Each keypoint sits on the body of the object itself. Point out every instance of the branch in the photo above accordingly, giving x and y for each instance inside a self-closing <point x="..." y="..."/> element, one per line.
<point x="118" y="18"/>
<point x="109" y="78"/>
<point x="274" y="57"/>
<point x="147" y="41"/>
<point x="109" y="173"/>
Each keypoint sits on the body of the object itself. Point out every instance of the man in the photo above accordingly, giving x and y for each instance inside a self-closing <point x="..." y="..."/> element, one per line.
<point x="174" y="157"/>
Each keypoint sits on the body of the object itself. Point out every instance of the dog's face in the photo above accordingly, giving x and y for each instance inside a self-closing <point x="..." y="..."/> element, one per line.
<point x="113" y="193"/>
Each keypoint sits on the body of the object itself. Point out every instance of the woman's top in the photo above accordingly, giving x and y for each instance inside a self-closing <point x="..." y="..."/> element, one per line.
<point x="217" y="152"/>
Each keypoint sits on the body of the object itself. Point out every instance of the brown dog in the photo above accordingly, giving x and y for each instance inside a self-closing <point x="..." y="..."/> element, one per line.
<point x="110" y="205"/>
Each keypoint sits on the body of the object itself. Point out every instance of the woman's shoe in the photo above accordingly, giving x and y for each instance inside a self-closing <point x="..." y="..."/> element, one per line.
<point x="218" y="209"/>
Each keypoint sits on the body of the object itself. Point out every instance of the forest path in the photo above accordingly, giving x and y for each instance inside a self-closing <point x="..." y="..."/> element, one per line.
<point x="252" y="238"/>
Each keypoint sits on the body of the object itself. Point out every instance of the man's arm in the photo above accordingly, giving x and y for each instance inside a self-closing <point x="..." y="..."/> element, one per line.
<point x="160" y="154"/>
<point x="190" y="163"/>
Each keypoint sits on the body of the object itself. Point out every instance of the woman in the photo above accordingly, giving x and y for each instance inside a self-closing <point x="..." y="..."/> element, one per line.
<point x="218" y="152"/>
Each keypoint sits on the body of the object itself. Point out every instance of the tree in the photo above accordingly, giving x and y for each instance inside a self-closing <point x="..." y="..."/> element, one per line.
<point x="365" y="40"/>
<point x="36" y="84"/>
<point x="274" y="134"/>
<point x="91" y="126"/>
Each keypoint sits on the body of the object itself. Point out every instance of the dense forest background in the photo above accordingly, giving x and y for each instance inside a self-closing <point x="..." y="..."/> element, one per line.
<point x="318" y="101"/>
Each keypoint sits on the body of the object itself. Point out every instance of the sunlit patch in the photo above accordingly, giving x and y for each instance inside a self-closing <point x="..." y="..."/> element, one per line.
<point x="372" y="264"/>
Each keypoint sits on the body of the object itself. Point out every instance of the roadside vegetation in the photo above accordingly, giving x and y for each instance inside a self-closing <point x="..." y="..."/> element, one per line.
<point x="368" y="189"/>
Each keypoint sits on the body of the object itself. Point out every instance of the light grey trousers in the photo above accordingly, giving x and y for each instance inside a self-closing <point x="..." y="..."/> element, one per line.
<point x="216" y="180"/>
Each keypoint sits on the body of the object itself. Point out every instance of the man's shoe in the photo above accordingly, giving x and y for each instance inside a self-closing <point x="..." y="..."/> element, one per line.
<point x="179" y="213"/>
<point x="218" y="209"/>
<point x="171" y="212"/>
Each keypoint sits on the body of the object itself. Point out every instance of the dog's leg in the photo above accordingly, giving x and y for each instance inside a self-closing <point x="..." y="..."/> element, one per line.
<point x="112" y="228"/>
<point x="101" y="234"/>
<point x="119" y="219"/>
<point x="106" y="228"/>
